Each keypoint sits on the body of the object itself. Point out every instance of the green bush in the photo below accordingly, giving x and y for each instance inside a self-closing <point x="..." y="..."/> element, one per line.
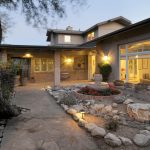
<point x="7" y="82"/>
<point x="112" y="125"/>
<point x="105" y="70"/>
<point x="68" y="100"/>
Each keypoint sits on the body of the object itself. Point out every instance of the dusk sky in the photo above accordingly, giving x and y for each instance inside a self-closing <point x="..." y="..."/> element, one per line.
<point x="80" y="18"/>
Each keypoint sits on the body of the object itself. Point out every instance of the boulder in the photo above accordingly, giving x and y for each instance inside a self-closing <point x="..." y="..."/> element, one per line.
<point x="139" y="111"/>
<point x="112" y="140"/>
<point x="77" y="116"/>
<point x="128" y="101"/>
<point x="65" y="107"/>
<point x="71" y="111"/>
<point x="114" y="105"/>
<point x="98" y="132"/>
<point x="125" y="141"/>
<point x="116" y="117"/>
<point x="90" y="126"/>
<point x="142" y="139"/>
<point x="78" y="108"/>
<point x="119" y="99"/>
<point x="97" y="107"/>
<point x="82" y="122"/>
<point x="115" y="112"/>
<point x="147" y="128"/>
<point x="108" y="108"/>
<point x="148" y="88"/>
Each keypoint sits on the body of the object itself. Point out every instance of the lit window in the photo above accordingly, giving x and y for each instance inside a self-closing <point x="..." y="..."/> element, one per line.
<point x="43" y="65"/>
<point x="67" y="38"/>
<point x="90" y="36"/>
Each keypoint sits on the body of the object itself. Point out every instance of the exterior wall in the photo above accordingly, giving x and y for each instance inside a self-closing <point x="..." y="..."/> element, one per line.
<point x="110" y="47"/>
<point x="108" y="28"/>
<point x="38" y="76"/>
<point x="75" y="39"/>
<point x="75" y="74"/>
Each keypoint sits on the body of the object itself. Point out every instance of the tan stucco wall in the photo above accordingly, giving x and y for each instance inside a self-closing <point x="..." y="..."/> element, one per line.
<point x="75" y="39"/>
<point x="108" y="28"/>
<point x="110" y="46"/>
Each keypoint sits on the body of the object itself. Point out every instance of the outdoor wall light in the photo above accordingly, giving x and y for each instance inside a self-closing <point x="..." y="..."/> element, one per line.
<point x="28" y="55"/>
<point x="68" y="60"/>
<point x="106" y="59"/>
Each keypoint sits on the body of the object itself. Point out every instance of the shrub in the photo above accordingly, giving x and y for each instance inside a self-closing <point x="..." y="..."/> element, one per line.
<point x="112" y="125"/>
<point x="105" y="70"/>
<point x="7" y="82"/>
<point x="68" y="100"/>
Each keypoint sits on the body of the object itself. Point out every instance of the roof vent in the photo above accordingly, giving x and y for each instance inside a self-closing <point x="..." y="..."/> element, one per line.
<point x="69" y="28"/>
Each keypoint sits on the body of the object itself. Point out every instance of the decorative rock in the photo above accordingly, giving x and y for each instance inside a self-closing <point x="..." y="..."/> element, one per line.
<point x="65" y="107"/>
<point x="108" y="108"/>
<point x="145" y="132"/>
<point x="148" y="88"/>
<point x="147" y="128"/>
<point x="78" y="108"/>
<point x="128" y="101"/>
<point x="77" y="116"/>
<point x="112" y="140"/>
<point x="142" y="140"/>
<point x="115" y="112"/>
<point x="50" y="145"/>
<point x="90" y="126"/>
<point x="125" y="141"/>
<point x="98" y="132"/>
<point x="119" y="99"/>
<point x="82" y="123"/>
<point x="116" y="117"/>
<point x="71" y="111"/>
<point x="97" y="107"/>
<point x="114" y="105"/>
<point x="138" y="111"/>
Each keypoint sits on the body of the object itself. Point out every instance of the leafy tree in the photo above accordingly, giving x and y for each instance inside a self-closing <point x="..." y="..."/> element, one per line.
<point x="36" y="12"/>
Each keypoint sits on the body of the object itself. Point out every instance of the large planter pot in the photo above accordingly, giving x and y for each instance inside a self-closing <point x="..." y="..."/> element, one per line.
<point x="98" y="78"/>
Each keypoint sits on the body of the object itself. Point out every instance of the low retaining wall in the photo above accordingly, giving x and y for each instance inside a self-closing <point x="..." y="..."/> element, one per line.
<point x="91" y="97"/>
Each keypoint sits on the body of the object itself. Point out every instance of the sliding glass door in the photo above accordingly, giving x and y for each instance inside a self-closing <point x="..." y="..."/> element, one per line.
<point x="135" y="62"/>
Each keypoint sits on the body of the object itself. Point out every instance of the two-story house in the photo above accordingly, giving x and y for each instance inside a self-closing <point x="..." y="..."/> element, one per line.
<point x="74" y="55"/>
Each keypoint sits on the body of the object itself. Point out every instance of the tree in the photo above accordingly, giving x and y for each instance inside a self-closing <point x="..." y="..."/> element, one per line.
<point x="36" y="12"/>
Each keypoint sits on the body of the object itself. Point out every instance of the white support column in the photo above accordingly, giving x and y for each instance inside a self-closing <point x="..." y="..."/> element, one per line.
<point x="4" y="56"/>
<point x="57" y="68"/>
<point x="127" y="69"/>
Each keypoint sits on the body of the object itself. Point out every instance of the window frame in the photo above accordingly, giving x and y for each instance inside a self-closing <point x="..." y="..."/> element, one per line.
<point x="40" y="63"/>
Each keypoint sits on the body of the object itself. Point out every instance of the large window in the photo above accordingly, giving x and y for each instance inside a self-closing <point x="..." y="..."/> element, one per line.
<point x="43" y="65"/>
<point x="67" y="39"/>
<point x="135" y="62"/>
<point x="90" y="36"/>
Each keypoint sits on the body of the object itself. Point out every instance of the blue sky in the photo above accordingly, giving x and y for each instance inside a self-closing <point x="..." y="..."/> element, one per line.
<point x="79" y="18"/>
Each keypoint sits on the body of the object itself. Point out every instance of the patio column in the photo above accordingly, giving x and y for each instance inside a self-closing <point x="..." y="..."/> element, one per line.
<point x="57" y="68"/>
<point x="3" y="56"/>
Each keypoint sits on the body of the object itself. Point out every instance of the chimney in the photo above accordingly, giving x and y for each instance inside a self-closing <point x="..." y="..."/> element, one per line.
<point x="69" y="28"/>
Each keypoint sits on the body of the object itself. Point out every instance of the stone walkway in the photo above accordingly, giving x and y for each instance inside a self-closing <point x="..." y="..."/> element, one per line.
<point x="44" y="127"/>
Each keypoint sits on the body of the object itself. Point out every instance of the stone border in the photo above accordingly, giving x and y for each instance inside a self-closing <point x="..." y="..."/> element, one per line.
<point x="91" y="97"/>
<point x="95" y="131"/>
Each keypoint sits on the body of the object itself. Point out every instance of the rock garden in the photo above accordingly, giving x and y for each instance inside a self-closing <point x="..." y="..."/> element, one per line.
<point x="117" y="115"/>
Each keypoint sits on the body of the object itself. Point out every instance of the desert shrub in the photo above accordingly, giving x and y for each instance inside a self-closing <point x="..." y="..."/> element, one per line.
<point x="7" y="82"/>
<point x="112" y="125"/>
<point x="68" y="100"/>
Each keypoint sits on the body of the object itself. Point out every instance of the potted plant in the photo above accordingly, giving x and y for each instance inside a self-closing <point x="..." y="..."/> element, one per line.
<point x="105" y="70"/>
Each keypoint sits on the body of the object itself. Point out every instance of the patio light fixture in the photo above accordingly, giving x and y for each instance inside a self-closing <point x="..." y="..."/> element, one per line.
<point x="82" y="113"/>
<point x="106" y="59"/>
<point x="27" y="55"/>
<point x="68" y="60"/>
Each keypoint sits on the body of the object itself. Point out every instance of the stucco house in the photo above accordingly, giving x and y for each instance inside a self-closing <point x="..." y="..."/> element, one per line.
<point x="75" y="55"/>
